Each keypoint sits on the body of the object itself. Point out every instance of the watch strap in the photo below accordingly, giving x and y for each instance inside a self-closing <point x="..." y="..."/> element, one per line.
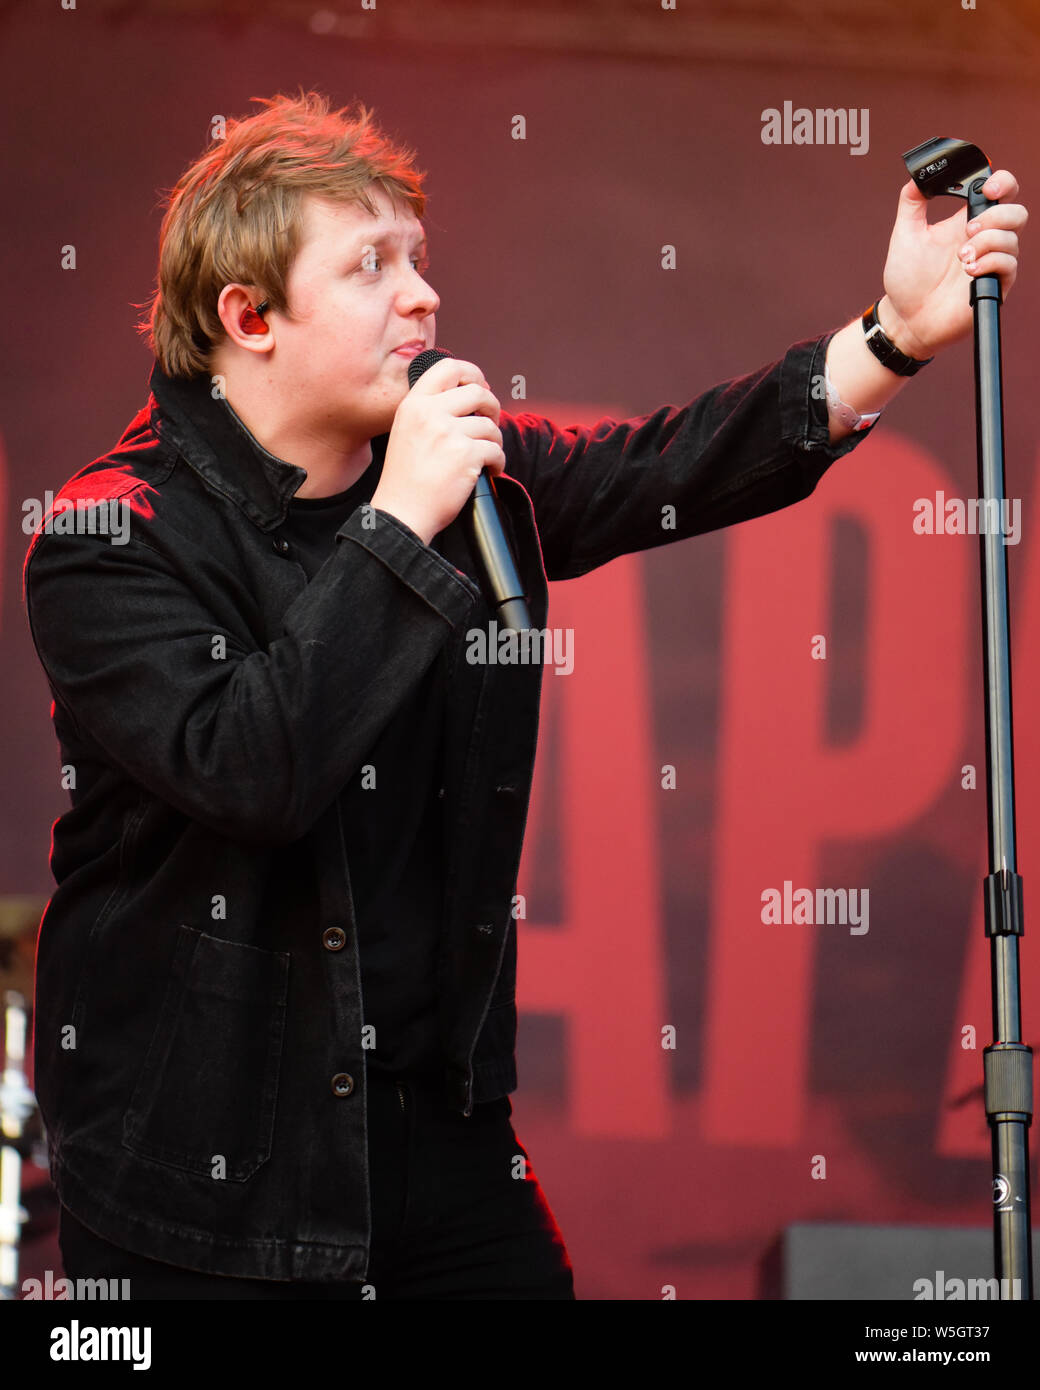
<point x="885" y="350"/>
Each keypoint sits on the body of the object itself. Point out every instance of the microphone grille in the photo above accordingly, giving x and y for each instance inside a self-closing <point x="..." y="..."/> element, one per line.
<point x="423" y="361"/>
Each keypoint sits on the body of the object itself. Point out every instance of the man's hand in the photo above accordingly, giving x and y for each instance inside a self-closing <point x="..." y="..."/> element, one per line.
<point x="926" y="304"/>
<point x="928" y="266"/>
<point x="445" y="431"/>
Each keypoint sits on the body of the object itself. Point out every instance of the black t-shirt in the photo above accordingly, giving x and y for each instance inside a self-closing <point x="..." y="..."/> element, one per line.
<point x="393" y="831"/>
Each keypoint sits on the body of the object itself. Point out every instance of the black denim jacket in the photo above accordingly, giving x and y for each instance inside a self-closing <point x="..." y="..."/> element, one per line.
<point x="199" y="1060"/>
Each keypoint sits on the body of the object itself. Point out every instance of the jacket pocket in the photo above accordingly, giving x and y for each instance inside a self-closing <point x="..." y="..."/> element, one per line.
<point x="205" y="1099"/>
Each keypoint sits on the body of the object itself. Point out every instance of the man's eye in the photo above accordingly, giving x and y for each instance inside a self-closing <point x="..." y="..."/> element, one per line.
<point x="372" y="261"/>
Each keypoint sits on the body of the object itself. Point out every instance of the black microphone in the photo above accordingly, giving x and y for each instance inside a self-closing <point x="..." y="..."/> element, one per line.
<point x="484" y="527"/>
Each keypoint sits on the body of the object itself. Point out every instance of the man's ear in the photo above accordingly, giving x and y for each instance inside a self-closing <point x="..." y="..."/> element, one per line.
<point x="237" y="309"/>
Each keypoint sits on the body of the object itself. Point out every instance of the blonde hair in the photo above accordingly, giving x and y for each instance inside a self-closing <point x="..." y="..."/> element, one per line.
<point x="235" y="215"/>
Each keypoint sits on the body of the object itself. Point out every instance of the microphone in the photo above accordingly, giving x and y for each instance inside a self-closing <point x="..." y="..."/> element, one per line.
<point x="484" y="529"/>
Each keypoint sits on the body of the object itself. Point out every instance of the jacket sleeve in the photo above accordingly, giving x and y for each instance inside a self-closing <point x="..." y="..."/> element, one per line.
<point x="252" y="743"/>
<point x="744" y="448"/>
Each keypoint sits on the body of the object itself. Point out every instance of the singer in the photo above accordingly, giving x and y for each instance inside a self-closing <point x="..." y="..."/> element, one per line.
<point x="275" y="1011"/>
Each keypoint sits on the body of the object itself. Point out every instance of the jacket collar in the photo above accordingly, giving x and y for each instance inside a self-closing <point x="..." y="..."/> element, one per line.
<point x="211" y="438"/>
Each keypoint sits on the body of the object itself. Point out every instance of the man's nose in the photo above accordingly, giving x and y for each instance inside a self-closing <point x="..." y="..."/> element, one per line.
<point x="427" y="303"/>
<point x="419" y="295"/>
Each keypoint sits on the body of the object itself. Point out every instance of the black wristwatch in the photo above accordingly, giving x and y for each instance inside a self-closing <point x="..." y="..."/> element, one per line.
<point x="885" y="350"/>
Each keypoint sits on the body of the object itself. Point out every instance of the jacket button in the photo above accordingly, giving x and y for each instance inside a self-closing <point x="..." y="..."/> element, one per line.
<point x="334" y="939"/>
<point x="342" y="1084"/>
<point x="485" y="928"/>
<point x="441" y="793"/>
<point x="281" y="545"/>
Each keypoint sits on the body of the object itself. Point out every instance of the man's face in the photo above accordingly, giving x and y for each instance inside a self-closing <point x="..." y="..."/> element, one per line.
<point x="357" y="293"/>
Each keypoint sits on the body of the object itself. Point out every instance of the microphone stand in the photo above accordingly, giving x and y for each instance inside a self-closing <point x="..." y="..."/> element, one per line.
<point x="955" y="168"/>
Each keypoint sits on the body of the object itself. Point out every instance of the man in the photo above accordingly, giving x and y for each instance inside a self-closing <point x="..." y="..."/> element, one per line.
<point x="275" y="1008"/>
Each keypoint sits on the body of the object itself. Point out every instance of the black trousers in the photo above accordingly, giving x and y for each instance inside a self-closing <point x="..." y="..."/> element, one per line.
<point x="457" y="1212"/>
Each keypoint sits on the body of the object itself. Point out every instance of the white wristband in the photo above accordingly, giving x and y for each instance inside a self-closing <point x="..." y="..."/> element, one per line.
<point x="845" y="413"/>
